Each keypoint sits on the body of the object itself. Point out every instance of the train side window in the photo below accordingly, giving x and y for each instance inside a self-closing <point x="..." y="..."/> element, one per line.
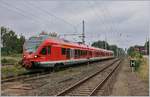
<point x="63" y="51"/>
<point x="76" y="53"/>
<point x="68" y="53"/>
<point x="43" y="51"/>
<point x="80" y="53"/>
<point x="49" y="49"/>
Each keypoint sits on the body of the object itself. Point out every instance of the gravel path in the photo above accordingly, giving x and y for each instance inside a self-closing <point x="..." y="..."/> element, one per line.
<point x="128" y="83"/>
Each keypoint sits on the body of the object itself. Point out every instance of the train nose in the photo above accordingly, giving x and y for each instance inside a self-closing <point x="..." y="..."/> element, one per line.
<point x="28" y="56"/>
<point x="27" y="64"/>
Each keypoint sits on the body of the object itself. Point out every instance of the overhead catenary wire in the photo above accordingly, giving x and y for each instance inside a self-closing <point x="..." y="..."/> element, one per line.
<point x="75" y="26"/>
<point x="45" y="11"/>
<point x="17" y="8"/>
<point x="31" y="8"/>
<point x="97" y="15"/>
<point x="31" y="15"/>
<point x="103" y="21"/>
<point x="107" y="28"/>
<point x="25" y="16"/>
<point x="105" y="16"/>
<point x="21" y="13"/>
<point x="42" y="10"/>
<point x="113" y="26"/>
<point x="94" y="13"/>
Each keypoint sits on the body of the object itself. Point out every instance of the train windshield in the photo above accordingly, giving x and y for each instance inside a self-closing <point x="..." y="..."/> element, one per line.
<point x="31" y="45"/>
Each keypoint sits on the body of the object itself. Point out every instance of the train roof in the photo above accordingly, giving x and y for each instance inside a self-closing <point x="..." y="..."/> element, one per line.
<point x="65" y="43"/>
<point x="77" y="45"/>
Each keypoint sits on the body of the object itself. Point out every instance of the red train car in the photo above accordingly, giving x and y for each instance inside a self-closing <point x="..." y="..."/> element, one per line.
<point x="45" y="52"/>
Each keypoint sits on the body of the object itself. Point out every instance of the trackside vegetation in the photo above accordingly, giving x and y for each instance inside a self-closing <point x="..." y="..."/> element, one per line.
<point x="142" y="67"/>
<point x="11" y="52"/>
<point x="103" y="44"/>
<point x="11" y="42"/>
<point x="12" y="70"/>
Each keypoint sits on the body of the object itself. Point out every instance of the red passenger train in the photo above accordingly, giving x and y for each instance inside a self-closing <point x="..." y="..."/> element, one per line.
<point x="44" y="51"/>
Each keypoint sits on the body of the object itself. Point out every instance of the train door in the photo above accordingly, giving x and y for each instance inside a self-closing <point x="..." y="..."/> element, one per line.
<point x="48" y="53"/>
<point x="56" y="51"/>
<point x="72" y="53"/>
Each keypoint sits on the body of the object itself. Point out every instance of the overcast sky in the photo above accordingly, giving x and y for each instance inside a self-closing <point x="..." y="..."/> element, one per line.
<point x="124" y="23"/>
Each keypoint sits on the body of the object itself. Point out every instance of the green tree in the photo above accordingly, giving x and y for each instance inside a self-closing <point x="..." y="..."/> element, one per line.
<point x="121" y="52"/>
<point x="114" y="49"/>
<point x="21" y="41"/>
<point x="10" y="42"/>
<point x="105" y="45"/>
<point x="101" y="44"/>
<point x="130" y="51"/>
<point x="3" y="35"/>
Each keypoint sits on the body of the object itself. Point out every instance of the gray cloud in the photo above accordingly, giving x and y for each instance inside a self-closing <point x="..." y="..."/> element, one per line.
<point x="125" y="23"/>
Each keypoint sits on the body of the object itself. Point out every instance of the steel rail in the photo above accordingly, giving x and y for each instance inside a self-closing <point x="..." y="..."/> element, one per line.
<point x="104" y="81"/>
<point x="62" y="93"/>
<point x="23" y="76"/>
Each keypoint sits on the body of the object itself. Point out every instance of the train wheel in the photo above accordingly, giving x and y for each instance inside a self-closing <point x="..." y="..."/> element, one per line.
<point x="48" y="69"/>
<point x="57" y="67"/>
<point x="88" y="63"/>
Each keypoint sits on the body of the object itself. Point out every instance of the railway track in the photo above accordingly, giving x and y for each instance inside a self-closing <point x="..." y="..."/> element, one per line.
<point x="91" y="84"/>
<point x="6" y="64"/>
<point x="26" y="76"/>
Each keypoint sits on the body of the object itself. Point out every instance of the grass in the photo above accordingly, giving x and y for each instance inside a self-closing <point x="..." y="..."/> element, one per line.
<point x="12" y="70"/>
<point x="13" y="56"/>
<point x="143" y="70"/>
<point x="11" y="59"/>
<point x="142" y="65"/>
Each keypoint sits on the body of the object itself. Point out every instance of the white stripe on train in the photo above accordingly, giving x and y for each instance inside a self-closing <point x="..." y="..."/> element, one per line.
<point x="71" y="61"/>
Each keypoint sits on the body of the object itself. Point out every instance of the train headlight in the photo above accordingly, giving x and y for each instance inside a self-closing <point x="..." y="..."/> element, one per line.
<point x="35" y="56"/>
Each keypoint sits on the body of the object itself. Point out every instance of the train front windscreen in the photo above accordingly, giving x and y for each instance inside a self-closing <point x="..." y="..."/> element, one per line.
<point x="32" y="44"/>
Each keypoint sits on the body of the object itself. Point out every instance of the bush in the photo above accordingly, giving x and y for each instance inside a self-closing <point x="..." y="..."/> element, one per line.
<point x="8" y="61"/>
<point x="138" y="56"/>
<point x="138" y="63"/>
<point x="16" y="55"/>
<point x="4" y="60"/>
<point x="12" y="70"/>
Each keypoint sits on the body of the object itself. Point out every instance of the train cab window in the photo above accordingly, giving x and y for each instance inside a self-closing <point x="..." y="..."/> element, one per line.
<point x="63" y="51"/>
<point x="43" y="51"/>
<point x="49" y="49"/>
